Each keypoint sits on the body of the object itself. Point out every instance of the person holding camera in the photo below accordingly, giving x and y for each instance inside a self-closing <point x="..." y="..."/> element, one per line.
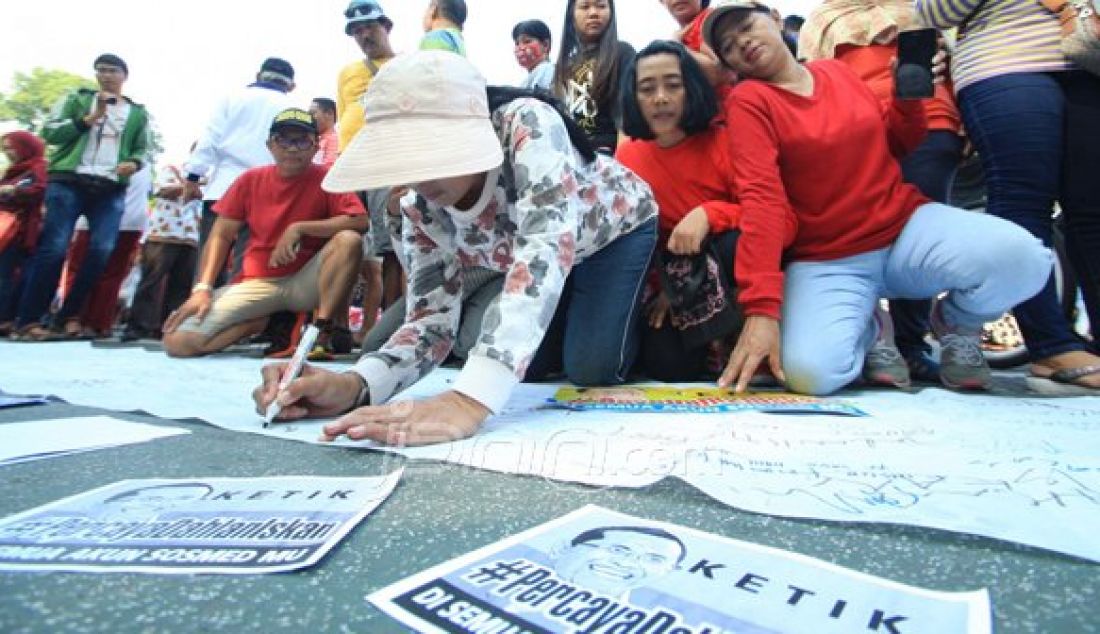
<point x="828" y="226"/>
<point x="97" y="139"/>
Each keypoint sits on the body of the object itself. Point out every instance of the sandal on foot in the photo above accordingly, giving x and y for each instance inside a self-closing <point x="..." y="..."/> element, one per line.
<point x="1064" y="382"/>
<point x="35" y="332"/>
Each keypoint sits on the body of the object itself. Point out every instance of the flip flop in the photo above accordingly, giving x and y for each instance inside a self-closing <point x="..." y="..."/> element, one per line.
<point x="35" y="333"/>
<point x="1063" y="382"/>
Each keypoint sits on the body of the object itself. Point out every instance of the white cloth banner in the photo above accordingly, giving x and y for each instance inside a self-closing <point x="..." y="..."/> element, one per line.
<point x="595" y="570"/>
<point x="1000" y="466"/>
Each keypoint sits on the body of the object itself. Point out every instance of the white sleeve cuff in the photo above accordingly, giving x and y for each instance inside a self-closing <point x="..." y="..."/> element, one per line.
<point x="381" y="380"/>
<point x="487" y="381"/>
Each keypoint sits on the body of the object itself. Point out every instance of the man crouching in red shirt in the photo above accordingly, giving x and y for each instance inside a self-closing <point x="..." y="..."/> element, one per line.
<point x="303" y="253"/>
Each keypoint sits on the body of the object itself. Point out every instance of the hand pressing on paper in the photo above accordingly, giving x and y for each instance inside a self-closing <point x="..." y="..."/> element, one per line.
<point x="286" y="249"/>
<point x="759" y="342"/>
<point x="316" y="393"/>
<point x="445" y="417"/>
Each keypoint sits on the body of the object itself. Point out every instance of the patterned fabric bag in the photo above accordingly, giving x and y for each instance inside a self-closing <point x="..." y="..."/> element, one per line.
<point x="702" y="306"/>
<point x="1080" y="31"/>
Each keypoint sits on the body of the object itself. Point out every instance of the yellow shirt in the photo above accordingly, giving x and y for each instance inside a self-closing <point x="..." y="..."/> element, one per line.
<point x="353" y="82"/>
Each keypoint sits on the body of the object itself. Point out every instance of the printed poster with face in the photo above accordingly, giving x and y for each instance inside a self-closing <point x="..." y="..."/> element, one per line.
<point x="195" y="525"/>
<point x="597" y="571"/>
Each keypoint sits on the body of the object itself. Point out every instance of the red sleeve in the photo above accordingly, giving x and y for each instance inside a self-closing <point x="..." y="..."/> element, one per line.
<point x="722" y="215"/>
<point x="906" y="125"/>
<point x="29" y="198"/>
<point x="767" y="221"/>
<point x="344" y="205"/>
<point x="234" y="204"/>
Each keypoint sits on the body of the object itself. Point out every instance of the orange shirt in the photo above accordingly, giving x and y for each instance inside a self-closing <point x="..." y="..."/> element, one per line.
<point x="872" y="65"/>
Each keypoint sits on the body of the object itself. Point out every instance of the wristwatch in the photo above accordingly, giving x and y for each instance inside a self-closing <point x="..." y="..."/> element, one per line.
<point x="363" y="398"/>
<point x="202" y="286"/>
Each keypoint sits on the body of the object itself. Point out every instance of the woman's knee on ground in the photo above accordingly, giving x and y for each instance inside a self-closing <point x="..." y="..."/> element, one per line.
<point x="594" y="369"/>
<point x="820" y="369"/>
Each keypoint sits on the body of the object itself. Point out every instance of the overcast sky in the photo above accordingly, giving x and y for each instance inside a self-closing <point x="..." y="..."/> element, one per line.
<point x="183" y="56"/>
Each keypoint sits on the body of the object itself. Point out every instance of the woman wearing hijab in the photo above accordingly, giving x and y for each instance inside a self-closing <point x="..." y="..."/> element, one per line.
<point x="22" y="188"/>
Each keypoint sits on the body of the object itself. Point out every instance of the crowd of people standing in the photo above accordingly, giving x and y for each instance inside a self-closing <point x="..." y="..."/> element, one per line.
<point x="748" y="201"/>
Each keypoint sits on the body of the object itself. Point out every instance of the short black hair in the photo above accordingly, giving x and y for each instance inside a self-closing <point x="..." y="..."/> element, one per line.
<point x="592" y="535"/>
<point x="111" y="59"/>
<point x="532" y="28"/>
<point x="700" y="101"/>
<point x="453" y="10"/>
<point x="326" y="104"/>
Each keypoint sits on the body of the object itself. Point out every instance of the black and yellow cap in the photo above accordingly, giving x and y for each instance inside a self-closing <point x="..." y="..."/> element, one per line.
<point x="294" y="118"/>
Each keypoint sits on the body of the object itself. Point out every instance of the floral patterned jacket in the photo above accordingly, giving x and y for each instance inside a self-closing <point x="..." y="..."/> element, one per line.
<point x="540" y="213"/>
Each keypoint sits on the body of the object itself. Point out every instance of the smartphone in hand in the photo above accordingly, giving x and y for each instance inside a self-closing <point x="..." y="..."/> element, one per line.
<point x="913" y="75"/>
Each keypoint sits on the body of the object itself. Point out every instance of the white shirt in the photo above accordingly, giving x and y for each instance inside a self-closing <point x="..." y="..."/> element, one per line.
<point x="100" y="156"/>
<point x="235" y="138"/>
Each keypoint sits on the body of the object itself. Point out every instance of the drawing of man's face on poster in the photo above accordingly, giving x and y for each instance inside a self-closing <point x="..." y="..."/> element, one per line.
<point x="149" y="502"/>
<point x="615" y="560"/>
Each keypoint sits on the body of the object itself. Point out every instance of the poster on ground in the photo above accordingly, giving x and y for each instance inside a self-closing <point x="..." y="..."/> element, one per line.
<point x="697" y="399"/>
<point x="598" y="571"/>
<point x="194" y="525"/>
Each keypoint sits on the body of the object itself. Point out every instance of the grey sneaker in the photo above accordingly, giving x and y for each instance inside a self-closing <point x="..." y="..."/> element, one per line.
<point x="883" y="364"/>
<point x="962" y="364"/>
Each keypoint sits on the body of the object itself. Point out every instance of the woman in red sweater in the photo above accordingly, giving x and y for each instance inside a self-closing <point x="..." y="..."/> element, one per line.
<point x="822" y="195"/>
<point x="677" y="146"/>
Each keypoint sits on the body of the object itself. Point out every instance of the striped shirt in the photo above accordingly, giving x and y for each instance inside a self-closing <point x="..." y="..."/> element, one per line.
<point x="997" y="37"/>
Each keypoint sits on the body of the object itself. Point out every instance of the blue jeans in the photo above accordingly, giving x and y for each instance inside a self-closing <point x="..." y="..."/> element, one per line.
<point x="11" y="260"/>
<point x="596" y="330"/>
<point x="931" y="167"/>
<point x="1019" y="123"/>
<point x="64" y="204"/>
<point x="987" y="266"/>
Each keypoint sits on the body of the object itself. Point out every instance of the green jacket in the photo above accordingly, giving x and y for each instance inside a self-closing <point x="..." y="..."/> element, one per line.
<point x="67" y="134"/>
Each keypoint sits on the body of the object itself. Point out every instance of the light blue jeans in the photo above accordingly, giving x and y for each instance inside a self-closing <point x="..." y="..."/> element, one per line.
<point x="985" y="264"/>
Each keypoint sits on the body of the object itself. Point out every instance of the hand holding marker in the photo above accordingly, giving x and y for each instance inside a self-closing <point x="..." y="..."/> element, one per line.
<point x="309" y="337"/>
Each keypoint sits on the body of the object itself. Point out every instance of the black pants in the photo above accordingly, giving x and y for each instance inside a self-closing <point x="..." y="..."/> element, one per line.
<point x="166" y="273"/>
<point x="664" y="356"/>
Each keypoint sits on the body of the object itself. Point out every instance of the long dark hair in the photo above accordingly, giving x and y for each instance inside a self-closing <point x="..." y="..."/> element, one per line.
<point x="499" y="96"/>
<point x="700" y="102"/>
<point x="605" y="77"/>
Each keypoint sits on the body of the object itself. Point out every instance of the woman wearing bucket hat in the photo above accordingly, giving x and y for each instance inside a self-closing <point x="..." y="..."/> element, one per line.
<point x="822" y="195"/>
<point x="513" y="189"/>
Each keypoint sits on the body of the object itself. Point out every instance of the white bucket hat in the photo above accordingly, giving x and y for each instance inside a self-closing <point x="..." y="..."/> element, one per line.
<point x="427" y="118"/>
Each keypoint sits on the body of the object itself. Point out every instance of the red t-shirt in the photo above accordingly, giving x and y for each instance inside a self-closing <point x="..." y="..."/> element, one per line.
<point x="816" y="173"/>
<point x="269" y="203"/>
<point x="695" y="172"/>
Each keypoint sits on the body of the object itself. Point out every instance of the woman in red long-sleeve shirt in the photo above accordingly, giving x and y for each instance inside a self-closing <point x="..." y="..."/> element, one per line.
<point x="678" y="146"/>
<point x="828" y="226"/>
